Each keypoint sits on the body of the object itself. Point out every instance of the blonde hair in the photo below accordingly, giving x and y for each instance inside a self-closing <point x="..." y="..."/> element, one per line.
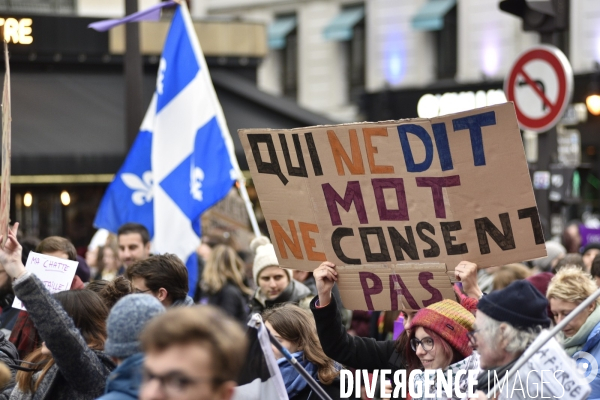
<point x="223" y="265"/>
<point x="298" y="326"/>
<point x="571" y="284"/>
<point x="509" y="273"/>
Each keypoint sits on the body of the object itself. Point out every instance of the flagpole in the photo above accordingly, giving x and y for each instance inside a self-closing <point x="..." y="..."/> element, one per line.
<point x="226" y="135"/>
<point x="543" y="338"/>
<point x="249" y="208"/>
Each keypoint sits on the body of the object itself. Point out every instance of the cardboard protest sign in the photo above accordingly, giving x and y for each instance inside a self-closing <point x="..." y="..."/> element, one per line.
<point x="378" y="198"/>
<point x="56" y="273"/>
<point x="550" y="373"/>
<point x="6" y="145"/>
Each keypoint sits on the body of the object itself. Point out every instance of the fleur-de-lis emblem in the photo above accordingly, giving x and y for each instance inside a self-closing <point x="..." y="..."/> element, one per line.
<point x="142" y="188"/>
<point x="162" y="68"/>
<point x="196" y="178"/>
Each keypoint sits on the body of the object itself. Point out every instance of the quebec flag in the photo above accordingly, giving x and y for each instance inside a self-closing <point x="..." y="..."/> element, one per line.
<point x="182" y="161"/>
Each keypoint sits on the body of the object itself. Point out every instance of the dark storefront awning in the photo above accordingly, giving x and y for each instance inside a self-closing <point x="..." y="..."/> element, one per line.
<point x="74" y="123"/>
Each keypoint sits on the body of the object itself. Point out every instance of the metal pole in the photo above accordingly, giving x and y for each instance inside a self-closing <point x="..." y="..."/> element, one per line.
<point x="249" y="208"/>
<point x="544" y="337"/>
<point x="133" y="76"/>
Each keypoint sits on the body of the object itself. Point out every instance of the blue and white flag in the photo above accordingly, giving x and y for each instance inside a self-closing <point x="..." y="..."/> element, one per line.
<point x="182" y="161"/>
<point x="260" y="377"/>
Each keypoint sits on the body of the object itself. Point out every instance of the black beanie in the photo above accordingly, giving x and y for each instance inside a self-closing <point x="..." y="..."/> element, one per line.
<point x="520" y="304"/>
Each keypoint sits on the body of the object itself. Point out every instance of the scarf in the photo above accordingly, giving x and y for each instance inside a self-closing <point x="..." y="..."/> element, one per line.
<point x="573" y="344"/>
<point x="482" y="381"/>
<point x="294" y="382"/>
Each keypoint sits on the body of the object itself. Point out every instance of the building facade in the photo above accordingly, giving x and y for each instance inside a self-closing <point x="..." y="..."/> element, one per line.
<point x="421" y="58"/>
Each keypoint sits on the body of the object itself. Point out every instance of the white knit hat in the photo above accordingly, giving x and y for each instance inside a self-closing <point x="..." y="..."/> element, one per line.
<point x="264" y="256"/>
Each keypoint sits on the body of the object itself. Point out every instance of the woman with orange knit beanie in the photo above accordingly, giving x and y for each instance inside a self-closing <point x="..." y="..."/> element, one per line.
<point x="439" y="341"/>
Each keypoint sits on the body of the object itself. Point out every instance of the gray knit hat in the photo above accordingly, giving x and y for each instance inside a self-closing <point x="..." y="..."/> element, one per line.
<point x="126" y="321"/>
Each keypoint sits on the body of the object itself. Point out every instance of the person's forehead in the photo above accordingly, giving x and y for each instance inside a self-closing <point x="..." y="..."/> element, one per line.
<point x="272" y="272"/>
<point x="191" y="358"/>
<point x="58" y="254"/>
<point x="562" y="304"/>
<point x="420" y="333"/>
<point x="130" y="238"/>
<point x="591" y="251"/>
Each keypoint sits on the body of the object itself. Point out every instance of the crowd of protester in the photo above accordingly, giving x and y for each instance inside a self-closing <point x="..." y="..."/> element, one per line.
<point x="128" y="328"/>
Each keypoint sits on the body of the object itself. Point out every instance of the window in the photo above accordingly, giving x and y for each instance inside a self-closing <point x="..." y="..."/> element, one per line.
<point x="356" y="62"/>
<point x="348" y="27"/>
<point x="440" y="18"/>
<point x="289" y="57"/>
<point x="446" y="47"/>
<point x="283" y="37"/>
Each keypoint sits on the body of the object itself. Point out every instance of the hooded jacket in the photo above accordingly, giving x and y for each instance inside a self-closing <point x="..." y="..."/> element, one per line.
<point x="125" y="381"/>
<point x="295" y="292"/>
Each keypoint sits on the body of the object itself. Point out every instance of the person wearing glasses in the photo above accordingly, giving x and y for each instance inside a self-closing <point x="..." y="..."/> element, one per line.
<point x="192" y="353"/>
<point x="71" y="363"/>
<point x="368" y="353"/>
<point x="125" y="323"/>
<point x="506" y="323"/>
<point x="439" y="341"/>
<point x="162" y="276"/>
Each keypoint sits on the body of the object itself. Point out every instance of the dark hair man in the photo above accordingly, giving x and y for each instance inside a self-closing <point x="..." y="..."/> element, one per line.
<point x="192" y="353"/>
<point x="164" y="277"/>
<point x="134" y="243"/>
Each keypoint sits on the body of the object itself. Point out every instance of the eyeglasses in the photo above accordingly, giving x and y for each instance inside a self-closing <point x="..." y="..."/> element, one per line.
<point x="426" y="343"/>
<point x="175" y="383"/>
<point x="471" y="335"/>
<point x="138" y="291"/>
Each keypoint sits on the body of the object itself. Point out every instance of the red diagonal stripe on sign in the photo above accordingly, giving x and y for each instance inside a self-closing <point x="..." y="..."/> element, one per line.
<point x="536" y="89"/>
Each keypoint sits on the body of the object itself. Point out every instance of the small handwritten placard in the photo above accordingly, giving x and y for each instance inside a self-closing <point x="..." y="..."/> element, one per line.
<point x="56" y="273"/>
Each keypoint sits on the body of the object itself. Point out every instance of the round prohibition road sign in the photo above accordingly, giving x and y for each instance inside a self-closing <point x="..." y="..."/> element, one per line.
<point x="540" y="83"/>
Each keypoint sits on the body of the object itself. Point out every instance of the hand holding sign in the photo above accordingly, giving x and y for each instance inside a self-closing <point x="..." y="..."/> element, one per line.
<point x="56" y="273"/>
<point x="325" y="276"/>
<point x="466" y="272"/>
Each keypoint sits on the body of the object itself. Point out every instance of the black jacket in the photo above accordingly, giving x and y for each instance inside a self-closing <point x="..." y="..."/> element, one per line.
<point x="231" y="300"/>
<point x="353" y="351"/>
<point x="295" y="292"/>
<point x="332" y="390"/>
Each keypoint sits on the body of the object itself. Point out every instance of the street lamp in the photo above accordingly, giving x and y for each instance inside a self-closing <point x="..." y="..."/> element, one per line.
<point x="593" y="99"/>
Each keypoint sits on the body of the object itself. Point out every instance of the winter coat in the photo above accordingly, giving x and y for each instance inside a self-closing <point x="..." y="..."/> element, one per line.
<point x="125" y="381"/>
<point x="188" y="301"/>
<point x="78" y="373"/>
<point x="470" y="363"/>
<point x="353" y="351"/>
<point x="8" y="316"/>
<point x="332" y="390"/>
<point x="230" y="299"/>
<point x="295" y="292"/>
<point x="591" y="346"/>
